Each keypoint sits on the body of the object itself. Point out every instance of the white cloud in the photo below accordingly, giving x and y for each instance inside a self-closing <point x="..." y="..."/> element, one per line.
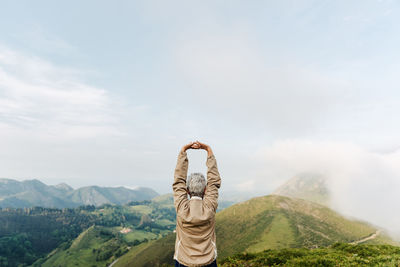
<point x="56" y="127"/>
<point x="246" y="186"/>
<point x="364" y="184"/>
<point x="238" y="79"/>
<point x="47" y="100"/>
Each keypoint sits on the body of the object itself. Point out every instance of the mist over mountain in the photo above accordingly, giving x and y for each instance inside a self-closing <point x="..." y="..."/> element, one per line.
<point x="308" y="186"/>
<point x="361" y="183"/>
<point x="29" y="193"/>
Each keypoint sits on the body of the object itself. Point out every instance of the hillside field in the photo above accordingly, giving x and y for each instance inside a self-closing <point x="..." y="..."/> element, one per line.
<point x="269" y="222"/>
<point x="339" y="254"/>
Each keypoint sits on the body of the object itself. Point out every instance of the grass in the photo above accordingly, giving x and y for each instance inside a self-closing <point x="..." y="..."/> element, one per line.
<point x="138" y="235"/>
<point x="277" y="235"/>
<point x="154" y="253"/>
<point x="276" y="222"/>
<point x="96" y="246"/>
<point x="339" y="254"/>
<point x="142" y="209"/>
<point x="165" y="222"/>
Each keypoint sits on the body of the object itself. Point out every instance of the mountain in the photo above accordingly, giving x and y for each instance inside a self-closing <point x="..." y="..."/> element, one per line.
<point x="15" y="194"/>
<point x="269" y="222"/>
<point x="308" y="186"/>
<point x="28" y="193"/>
<point x="95" y="195"/>
<point x="64" y="187"/>
<point x="274" y="222"/>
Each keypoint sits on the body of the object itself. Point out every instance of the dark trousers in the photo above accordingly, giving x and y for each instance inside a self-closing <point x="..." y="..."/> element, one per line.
<point x="212" y="264"/>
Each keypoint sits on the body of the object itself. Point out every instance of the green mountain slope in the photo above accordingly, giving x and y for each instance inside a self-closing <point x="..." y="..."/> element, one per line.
<point x="96" y="246"/>
<point x="29" y="193"/>
<point x="339" y="254"/>
<point x="154" y="253"/>
<point x="269" y="222"/>
<point x="274" y="222"/>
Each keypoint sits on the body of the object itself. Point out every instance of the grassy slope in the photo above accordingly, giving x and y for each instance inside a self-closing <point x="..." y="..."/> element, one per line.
<point x="337" y="255"/>
<point x="272" y="222"/>
<point x="153" y="253"/>
<point x="91" y="244"/>
<point x="269" y="222"/>
<point x="90" y="248"/>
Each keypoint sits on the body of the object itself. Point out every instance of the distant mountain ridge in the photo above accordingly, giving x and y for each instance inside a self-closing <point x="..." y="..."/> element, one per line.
<point x="29" y="193"/>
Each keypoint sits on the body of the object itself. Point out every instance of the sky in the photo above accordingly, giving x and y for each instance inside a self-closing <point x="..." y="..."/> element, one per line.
<point x="107" y="92"/>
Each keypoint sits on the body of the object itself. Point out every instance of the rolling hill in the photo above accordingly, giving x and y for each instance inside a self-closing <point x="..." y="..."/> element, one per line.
<point x="29" y="193"/>
<point x="143" y="221"/>
<point x="269" y="222"/>
<point x="96" y="246"/>
<point x="113" y="229"/>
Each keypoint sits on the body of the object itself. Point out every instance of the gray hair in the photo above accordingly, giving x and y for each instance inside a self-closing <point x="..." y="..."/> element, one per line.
<point x="196" y="184"/>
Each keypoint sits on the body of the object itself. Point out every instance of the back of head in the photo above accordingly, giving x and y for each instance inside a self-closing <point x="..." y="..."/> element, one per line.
<point x="196" y="184"/>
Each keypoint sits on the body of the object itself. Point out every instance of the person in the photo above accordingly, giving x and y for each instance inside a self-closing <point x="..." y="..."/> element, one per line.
<point x="195" y="243"/>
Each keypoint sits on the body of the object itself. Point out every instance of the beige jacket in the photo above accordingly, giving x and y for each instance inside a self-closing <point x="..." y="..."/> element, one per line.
<point x="195" y="243"/>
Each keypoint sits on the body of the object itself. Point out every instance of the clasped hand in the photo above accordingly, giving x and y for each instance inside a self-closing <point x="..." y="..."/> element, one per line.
<point x="195" y="145"/>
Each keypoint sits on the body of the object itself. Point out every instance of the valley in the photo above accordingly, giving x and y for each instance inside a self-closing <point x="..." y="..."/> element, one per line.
<point x="65" y="235"/>
<point x="273" y="228"/>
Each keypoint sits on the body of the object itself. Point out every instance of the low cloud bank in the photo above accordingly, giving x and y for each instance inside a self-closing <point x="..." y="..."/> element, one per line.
<point x="364" y="184"/>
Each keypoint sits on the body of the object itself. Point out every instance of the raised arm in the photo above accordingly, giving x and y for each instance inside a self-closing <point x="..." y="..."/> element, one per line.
<point x="213" y="179"/>
<point x="180" y="175"/>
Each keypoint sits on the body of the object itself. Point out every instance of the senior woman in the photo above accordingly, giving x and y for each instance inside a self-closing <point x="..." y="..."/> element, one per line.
<point x="195" y="243"/>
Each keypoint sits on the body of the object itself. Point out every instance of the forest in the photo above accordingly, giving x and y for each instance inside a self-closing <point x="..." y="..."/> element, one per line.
<point x="29" y="234"/>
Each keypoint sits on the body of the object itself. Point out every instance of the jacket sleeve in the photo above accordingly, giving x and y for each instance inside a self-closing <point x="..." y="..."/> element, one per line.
<point x="179" y="185"/>
<point x="213" y="184"/>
